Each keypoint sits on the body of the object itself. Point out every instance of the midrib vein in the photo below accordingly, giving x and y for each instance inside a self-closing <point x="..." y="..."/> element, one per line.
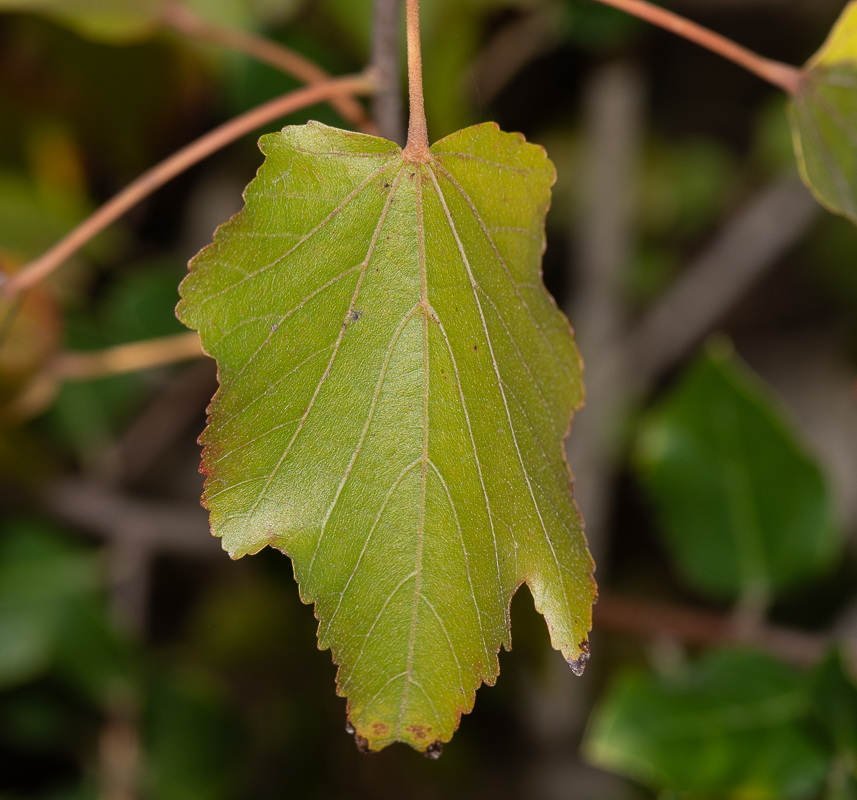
<point x="418" y="172"/>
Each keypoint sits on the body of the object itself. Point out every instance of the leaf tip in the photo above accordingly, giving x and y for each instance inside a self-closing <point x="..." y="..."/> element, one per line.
<point x="578" y="665"/>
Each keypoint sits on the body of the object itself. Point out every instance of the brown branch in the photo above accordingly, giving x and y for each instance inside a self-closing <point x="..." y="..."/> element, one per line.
<point x="185" y="158"/>
<point x="128" y="357"/>
<point x="183" y="20"/>
<point x="417" y="149"/>
<point x="705" y="628"/>
<point x="782" y="75"/>
<point x="748" y="246"/>
<point x="387" y="101"/>
<point x="169" y="415"/>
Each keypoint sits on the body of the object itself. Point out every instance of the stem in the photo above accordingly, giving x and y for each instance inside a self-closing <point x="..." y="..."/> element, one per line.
<point x="695" y="627"/>
<point x="183" y="20"/>
<point x="781" y="75"/>
<point x="417" y="148"/>
<point x="387" y="102"/>
<point x="164" y="172"/>
<point x="128" y="357"/>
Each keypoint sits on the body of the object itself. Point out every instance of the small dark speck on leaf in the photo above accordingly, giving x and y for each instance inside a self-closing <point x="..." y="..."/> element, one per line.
<point x="274" y="327"/>
<point x="579" y="665"/>
<point x="434" y="750"/>
<point x="476" y="347"/>
<point x="349" y="728"/>
<point x="355" y="315"/>
<point x="386" y="185"/>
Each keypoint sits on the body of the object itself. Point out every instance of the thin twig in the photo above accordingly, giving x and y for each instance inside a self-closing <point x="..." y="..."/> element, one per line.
<point x="694" y="627"/>
<point x="185" y="21"/>
<point x="417" y="149"/>
<point x="387" y="102"/>
<point x="749" y="245"/>
<point x="170" y="414"/>
<point x="164" y="172"/>
<point x="128" y="357"/>
<point x="784" y="76"/>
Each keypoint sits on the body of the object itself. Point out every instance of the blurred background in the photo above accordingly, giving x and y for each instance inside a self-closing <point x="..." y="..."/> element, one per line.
<point x="715" y="305"/>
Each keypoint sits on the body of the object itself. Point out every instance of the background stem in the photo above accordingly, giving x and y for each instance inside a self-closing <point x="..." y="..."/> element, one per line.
<point x="128" y="357"/>
<point x="417" y="149"/>
<point x="164" y="172"/>
<point x="782" y="75"/>
<point x="387" y="101"/>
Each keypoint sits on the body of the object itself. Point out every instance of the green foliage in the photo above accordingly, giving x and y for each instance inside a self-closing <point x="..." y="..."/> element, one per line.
<point x="824" y="119"/>
<point x="111" y="20"/>
<point x="744" y="508"/>
<point x="732" y="725"/>
<point x="50" y="615"/>
<point x="139" y="305"/>
<point x="395" y="388"/>
<point x="193" y="740"/>
<point x="597" y="27"/>
<point x="125" y="21"/>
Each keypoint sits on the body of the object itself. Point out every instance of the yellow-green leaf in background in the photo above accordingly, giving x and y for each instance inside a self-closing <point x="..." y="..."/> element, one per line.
<point x="110" y="20"/>
<point x="395" y="388"/>
<point x="824" y="119"/>
<point x="124" y="21"/>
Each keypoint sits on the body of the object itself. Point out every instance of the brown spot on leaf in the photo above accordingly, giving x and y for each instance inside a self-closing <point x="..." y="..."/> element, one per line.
<point x="419" y="731"/>
<point x="380" y="729"/>
<point x="362" y="744"/>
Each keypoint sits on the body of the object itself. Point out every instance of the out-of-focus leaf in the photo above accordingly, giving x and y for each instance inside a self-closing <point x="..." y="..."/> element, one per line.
<point x="30" y="220"/>
<point x="824" y="119"/>
<point x="245" y="13"/>
<point x="732" y="726"/>
<point x="596" y="27"/>
<point x="684" y="186"/>
<point x="40" y="576"/>
<point x="395" y="388"/>
<point x="140" y="305"/>
<point x="91" y="656"/>
<point x="192" y="741"/>
<point x="110" y="20"/>
<point x="743" y="507"/>
<point x="835" y="698"/>
<point x="125" y="21"/>
<point x="52" y="616"/>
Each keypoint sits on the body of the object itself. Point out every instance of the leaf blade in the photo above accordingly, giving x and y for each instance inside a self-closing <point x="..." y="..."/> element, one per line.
<point x="823" y="116"/>
<point x="385" y="378"/>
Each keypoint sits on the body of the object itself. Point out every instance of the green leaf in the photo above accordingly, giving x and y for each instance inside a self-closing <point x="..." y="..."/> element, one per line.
<point x="40" y="578"/>
<point x="127" y="21"/>
<point x="836" y="702"/>
<point x="743" y="507"/>
<point x="396" y="385"/>
<point x="824" y="119"/>
<point x="110" y="20"/>
<point x="730" y="726"/>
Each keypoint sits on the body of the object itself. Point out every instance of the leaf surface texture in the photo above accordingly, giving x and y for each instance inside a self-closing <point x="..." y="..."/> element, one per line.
<point x="824" y="119"/>
<point x="396" y="385"/>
